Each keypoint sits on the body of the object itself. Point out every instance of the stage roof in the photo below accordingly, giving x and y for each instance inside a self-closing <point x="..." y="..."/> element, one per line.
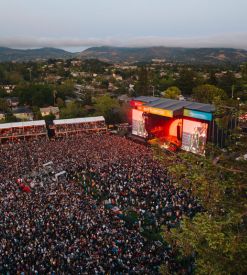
<point x="78" y="120"/>
<point x="174" y="105"/>
<point x="172" y="108"/>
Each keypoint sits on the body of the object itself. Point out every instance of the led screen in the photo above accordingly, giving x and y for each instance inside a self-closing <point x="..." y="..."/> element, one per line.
<point x="198" y="114"/>
<point x="194" y="136"/>
<point x="138" y="124"/>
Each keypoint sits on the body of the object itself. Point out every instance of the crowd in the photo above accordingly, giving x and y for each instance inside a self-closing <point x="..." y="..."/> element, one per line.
<point x="94" y="221"/>
<point x="22" y="131"/>
<point x="80" y="126"/>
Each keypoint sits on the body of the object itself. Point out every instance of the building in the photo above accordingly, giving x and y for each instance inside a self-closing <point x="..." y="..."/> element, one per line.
<point x="2" y="115"/>
<point x="124" y="98"/>
<point x="50" y="110"/>
<point x="172" y="123"/>
<point x="12" y="101"/>
<point x="22" y="113"/>
<point x="9" y="88"/>
<point x="117" y="77"/>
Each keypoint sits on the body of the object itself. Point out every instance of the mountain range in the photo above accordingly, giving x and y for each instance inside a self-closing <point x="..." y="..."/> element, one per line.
<point x="169" y="54"/>
<point x="132" y="55"/>
<point x="8" y="54"/>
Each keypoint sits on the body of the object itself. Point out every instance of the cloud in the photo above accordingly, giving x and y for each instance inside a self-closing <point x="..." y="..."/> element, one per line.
<point x="236" y="40"/>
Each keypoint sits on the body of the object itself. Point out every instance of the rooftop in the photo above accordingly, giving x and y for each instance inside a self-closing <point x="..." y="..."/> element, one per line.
<point x="78" y="120"/>
<point x="50" y="108"/>
<point x="21" y="109"/>
<point x="174" y="105"/>
<point x="22" y="124"/>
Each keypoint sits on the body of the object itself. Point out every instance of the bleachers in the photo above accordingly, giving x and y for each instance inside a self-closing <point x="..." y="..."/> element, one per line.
<point x="61" y="127"/>
<point x="76" y="126"/>
<point x="20" y="130"/>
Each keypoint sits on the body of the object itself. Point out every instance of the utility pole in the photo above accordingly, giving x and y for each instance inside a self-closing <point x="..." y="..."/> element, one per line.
<point x="54" y="97"/>
<point x="232" y="90"/>
<point x="30" y="74"/>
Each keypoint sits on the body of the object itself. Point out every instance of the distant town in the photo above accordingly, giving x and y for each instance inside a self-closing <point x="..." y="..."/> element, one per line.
<point x="58" y="88"/>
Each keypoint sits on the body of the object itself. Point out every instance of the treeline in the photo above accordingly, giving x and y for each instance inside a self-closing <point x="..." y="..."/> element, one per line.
<point x="214" y="241"/>
<point x="188" y="78"/>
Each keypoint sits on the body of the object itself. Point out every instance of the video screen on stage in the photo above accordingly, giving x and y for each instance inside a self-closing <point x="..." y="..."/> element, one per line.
<point x="138" y="124"/>
<point x="194" y="136"/>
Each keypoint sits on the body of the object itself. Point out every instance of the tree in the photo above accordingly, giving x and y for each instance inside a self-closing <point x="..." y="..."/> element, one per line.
<point x="215" y="237"/>
<point x="172" y="92"/>
<point x="60" y="102"/>
<point x="105" y="83"/>
<point x="142" y="85"/>
<point x="14" y="77"/>
<point x="186" y="81"/>
<point x="37" y="113"/>
<point x="3" y="105"/>
<point x="3" y="93"/>
<point x="212" y="78"/>
<point x="2" y="75"/>
<point x="35" y="95"/>
<point x="208" y="93"/>
<point x="165" y="83"/>
<point x="42" y="96"/>
<point x="86" y="98"/>
<point x="73" y="109"/>
<point x="66" y="89"/>
<point x="49" y="117"/>
<point x="244" y="71"/>
<point x="109" y="108"/>
<point x="227" y="82"/>
<point x="10" y="118"/>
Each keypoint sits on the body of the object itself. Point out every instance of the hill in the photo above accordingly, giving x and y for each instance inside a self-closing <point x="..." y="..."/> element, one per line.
<point x="131" y="55"/>
<point x="7" y="54"/>
<point x="170" y="54"/>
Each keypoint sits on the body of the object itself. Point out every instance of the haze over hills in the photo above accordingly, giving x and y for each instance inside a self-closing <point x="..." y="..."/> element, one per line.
<point x="8" y="54"/>
<point x="132" y="55"/>
<point x="170" y="54"/>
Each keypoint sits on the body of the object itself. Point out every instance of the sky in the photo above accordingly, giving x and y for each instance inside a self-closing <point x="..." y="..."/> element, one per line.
<point x="78" y="24"/>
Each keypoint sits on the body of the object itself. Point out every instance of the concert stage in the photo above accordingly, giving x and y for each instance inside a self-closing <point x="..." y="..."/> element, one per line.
<point x="171" y="123"/>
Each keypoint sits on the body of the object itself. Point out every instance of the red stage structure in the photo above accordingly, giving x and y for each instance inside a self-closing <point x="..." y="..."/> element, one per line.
<point x="172" y="123"/>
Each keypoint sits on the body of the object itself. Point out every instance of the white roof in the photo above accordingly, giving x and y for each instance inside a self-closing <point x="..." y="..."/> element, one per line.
<point x="78" y="120"/>
<point x="22" y="124"/>
<point x="50" y="108"/>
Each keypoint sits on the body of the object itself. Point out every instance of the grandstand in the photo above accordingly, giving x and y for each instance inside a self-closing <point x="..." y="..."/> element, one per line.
<point x="62" y="127"/>
<point x="75" y="126"/>
<point x="22" y="130"/>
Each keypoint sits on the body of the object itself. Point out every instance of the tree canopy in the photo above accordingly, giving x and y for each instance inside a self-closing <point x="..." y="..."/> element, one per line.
<point x="3" y="105"/>
<point x="172" y="92"/>
<point x="109" y="108"/>
<point x="142" y="85"/>
<point x="208" y="93"/>
<point x="35" y="95"/>
<point x="72" y="109"/>
<point x="217" y="236"/>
